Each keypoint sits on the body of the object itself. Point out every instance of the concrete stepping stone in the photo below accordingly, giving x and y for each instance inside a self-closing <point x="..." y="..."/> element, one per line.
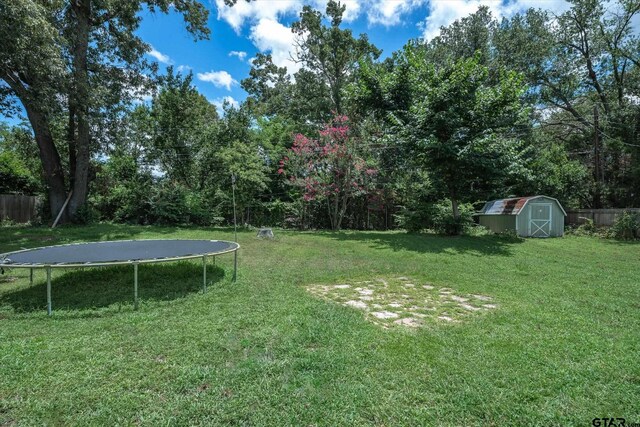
<point x="408" y="321"/>
<point x="356" y="304"/>
<point x="384" y="314"/>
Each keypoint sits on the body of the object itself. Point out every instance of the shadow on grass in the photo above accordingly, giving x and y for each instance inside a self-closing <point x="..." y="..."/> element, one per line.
<point x="431" y="243"/>
<point x="100" y="287"/>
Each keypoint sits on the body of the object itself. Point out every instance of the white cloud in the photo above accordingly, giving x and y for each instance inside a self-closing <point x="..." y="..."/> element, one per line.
<point x="243" y="11"/>
<point x="159" y="56"/>
<point x="240" y="54"/>
<point x="183" y="68"/>
<point x="389" y="12"/>
<point x="219" y="102"/>
<point x="271" y="36"/>
<point x="218" y="78"/>
<point x="253" y="11"/>
<point x="444" y="12"/>
<point x="266" y="32"/>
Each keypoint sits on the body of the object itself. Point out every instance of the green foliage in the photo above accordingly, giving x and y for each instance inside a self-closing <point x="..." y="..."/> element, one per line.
<point x="82" y="60"/>
<point x="587" y="228"/>
<point x="121" y="192"/>
<point x="437" y="217"/>
<point x="14" y="175"/>
<point x="330" y="57"/>
<point x="19" y="170"/>
<point x="169" y="205"/>
<point x="578" y="64"/>
<point x="626" y="227"/>
<point x="552" y="172"/>
<point x="486" y="109"/>
<point x="182" y="120"/>
<point x="461" y="123"/>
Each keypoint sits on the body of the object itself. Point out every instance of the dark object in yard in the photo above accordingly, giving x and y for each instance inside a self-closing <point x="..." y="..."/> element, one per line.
<point x="265" y="233"/>
<point x="95" y="254"/>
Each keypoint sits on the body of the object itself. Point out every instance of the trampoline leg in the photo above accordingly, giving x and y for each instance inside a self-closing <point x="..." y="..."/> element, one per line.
<point x="235" y="265"/>
<point x="31" y="276"/>
<point x="135" y="286"/>
<point x="204" y="273"/>
<point x="49" y="310"/>
<point x="214" y="260"/>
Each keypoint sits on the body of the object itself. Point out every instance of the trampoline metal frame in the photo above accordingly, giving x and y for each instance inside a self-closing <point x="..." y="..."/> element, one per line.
<point x="135" y="264"/>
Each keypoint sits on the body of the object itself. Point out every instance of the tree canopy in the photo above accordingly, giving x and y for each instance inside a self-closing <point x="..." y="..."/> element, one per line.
<point x="531" y="104"/>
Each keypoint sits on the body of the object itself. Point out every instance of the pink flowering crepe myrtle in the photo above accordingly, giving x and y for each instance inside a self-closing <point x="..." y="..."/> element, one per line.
<point x="329" y="168"/>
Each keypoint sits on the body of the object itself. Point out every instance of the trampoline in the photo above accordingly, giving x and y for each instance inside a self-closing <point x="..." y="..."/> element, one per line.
<point x="118" y="252"/>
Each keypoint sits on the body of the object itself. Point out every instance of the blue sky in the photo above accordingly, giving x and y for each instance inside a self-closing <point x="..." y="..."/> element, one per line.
<point x="237" y="33"/>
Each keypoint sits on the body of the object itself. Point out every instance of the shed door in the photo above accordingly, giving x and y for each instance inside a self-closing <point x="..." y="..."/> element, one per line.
<point x="540" y="219"/>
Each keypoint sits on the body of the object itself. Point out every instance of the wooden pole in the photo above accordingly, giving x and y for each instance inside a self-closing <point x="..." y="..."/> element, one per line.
<point x="596" y="144"/>
<point x="66" y="202"/>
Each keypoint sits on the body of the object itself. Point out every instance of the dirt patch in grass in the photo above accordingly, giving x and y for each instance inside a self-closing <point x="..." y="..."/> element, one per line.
<point x="404" y="302"/>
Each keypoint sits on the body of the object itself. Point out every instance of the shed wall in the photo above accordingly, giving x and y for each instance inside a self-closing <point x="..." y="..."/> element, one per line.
<point x="557" y="218"/>
<point x="498" y="223"/>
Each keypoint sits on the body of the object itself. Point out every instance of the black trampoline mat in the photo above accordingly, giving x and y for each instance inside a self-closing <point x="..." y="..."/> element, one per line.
<point x="113" y="252"/>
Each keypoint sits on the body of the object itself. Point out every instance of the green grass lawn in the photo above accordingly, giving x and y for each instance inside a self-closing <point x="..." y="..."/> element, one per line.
<point x="561" y="346"/>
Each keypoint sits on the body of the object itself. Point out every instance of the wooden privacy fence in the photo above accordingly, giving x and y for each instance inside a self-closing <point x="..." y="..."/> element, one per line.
<point x="603" y="217"/>
<point x="18" y="207"/>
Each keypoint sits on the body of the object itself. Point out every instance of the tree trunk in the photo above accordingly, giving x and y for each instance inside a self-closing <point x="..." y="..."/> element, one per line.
<point x="333" y="205"/>
<point x="82" y="11"/>
<point x="50" y="159"/>
<point x="343" y="210"/>
<point x="456" y="212"/>
<point x="71" y="142"/>
<point x="454" y="208"/>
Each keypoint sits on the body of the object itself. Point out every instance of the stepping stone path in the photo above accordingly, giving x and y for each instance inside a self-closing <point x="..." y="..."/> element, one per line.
<point x="405" y="302"/>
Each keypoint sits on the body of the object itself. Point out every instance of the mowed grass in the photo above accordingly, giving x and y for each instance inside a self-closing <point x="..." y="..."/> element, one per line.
<point x="562" y="346"/>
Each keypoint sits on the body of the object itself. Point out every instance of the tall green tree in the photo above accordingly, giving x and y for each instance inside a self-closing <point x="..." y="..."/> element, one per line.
<point x="463" y="125"/>
<point x="182" y="120"/>
<point x="583" y="68"/>
<point x="81" y="59"/>
<point x="329" y="55"/>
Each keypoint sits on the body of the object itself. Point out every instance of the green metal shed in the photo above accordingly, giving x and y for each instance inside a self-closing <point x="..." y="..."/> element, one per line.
<point x="535" y="216"/>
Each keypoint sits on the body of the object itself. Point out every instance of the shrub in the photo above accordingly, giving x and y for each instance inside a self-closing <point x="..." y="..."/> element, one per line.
<point x="587" y="228"/>
<point x="438" y="217"/>
<point x="414" y="218"/>
<point x="169" y="205"/>
<point x="442" y="220"/>
<point x="626" y="227"/>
